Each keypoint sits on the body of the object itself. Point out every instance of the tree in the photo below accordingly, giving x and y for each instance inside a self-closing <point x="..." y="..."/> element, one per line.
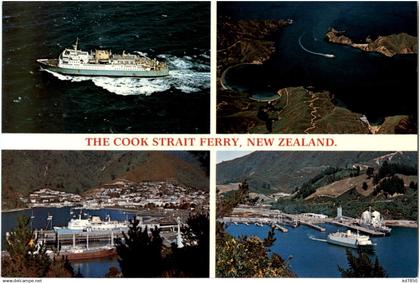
<point x="192" y="260"/>
<point x="390" y="186"/>
<point x="360" y="265"/>
<point x="113" y="272"/>
<point x="244" y="190"/>
<point x="232" y="200"/>
<point x="270" y="239"/>
<point x="61" y="268"/>
<point x="369" y="172"/>
<point x="247" y="257"/>
<point x="140" y="252"/>
<point x="28" y="258"/>
<point x="364" y="186"/>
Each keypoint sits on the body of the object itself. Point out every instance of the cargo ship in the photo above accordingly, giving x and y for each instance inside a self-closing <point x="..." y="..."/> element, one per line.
<point x="73" y="61"/>
<point x="374" y="220"/>
<point x="82" y="253"/>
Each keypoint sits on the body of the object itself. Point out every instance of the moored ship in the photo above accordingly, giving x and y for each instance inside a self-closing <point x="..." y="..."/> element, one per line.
<point x="349" y="239"/>
<point x="93" y="223"/>
<point x="373" y="220"/>
<point x="73" y="61"/>
<point x="82" y="253"/>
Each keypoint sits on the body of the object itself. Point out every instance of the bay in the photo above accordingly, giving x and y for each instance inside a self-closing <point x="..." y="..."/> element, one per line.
<point x="367" y="83"/>
<point x="397" y="253"/>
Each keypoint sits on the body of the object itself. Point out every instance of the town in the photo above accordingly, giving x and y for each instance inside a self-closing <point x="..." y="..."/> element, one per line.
<point x="123" y="194"/>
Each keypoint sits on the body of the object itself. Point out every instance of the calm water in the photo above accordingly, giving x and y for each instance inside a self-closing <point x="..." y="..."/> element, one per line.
<point x="367" y="83"/>
<point x="398" y="253"/>
<point x="88" y="268"/>
<point x="38" y="101"/>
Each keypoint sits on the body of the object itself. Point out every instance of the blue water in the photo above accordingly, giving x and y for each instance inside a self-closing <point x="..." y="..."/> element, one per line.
<point x="367" y="83"/>
<point x="61" y="216"/>
<point x="36" y="101"/>
<point x="398" y="253"/>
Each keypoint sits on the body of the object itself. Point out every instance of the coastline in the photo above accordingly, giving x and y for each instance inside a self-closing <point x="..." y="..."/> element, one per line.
<point x="15" y="209"/>
<point x="222" y="77"/>
<point x="402" y="223"/>
<point x="388" y="45"/>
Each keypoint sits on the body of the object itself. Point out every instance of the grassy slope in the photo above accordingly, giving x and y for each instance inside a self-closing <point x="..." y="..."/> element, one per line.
<point x="296" y="117"/>
<point x="285" y="171"/>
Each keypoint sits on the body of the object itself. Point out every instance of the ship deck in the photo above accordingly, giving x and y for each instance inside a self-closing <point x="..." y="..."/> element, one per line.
<point x="48" y="62"/>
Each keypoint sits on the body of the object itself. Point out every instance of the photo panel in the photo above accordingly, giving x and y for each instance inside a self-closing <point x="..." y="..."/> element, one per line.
<point x="106" y="67"/>
<point x="286" y="67"/>
<point x="99" y="214"/>
<point x="328" y="214"/>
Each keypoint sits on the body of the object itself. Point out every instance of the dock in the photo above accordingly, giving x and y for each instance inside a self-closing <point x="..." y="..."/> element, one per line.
<point x="281" y="228"/>
<point x="73" y="237"/>
<point x="260" y="216"/>
<point x="314" y="226"/>
<point x="358" y="228"/>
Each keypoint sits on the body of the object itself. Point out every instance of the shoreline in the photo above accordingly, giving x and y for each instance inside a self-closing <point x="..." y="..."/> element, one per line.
<point x="222" y="77"/>
<point x="375" y="128"/>
<point x="402" y="223"/>
<point x="15" y="209"/>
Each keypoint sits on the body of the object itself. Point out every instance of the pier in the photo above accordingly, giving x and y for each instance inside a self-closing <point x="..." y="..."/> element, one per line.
<point x="260" y="221"/>
<point x="314" y="226"/>
<point x="351" y="226"/>
<point x="73" y="237"/>
<point x="265" y="216"/>
<point x="281" y="228"/>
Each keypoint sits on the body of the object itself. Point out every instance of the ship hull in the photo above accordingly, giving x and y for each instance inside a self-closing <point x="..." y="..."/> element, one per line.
<point x="103" y="253"/>
<point x="385" y="229"/>
<point x="349" y="244"/>
<point x="342" y="243"/>
<point x="52" y="66"/>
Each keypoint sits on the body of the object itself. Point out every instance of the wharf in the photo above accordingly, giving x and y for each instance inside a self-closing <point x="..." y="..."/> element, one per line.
<point x="319" y="228"/>
<point x="256" y="220"/>
<point x="357" y="228"/>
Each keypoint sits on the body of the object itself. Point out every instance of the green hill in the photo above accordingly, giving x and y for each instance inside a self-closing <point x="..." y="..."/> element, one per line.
<point x="77" y="171"/>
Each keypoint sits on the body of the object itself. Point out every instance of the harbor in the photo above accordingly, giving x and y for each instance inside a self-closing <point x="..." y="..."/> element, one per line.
<point x="262" y="215"/>
<point x="309" y="258"/>
<point x="87" y="237"/>
<point x="310" y="240"/>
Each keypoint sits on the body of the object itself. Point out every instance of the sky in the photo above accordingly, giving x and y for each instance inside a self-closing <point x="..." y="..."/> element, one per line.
<point x="229" y="155"/>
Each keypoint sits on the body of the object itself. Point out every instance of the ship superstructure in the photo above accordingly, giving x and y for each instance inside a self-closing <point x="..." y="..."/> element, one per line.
<point x="373" y="220"/>
<point x="94" y="223"/>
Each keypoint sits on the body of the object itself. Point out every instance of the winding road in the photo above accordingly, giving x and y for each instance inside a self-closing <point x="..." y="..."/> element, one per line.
<point x="313" y="112"/>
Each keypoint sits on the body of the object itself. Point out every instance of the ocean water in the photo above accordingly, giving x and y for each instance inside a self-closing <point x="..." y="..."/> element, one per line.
<point x="88" y="268"/>
<point x="367" y="83"/>
<point x="39" y="101"/>
<point x="397" y="253"/>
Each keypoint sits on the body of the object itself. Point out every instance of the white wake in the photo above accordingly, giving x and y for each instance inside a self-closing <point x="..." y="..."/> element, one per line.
<point x="312" y="52"/>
